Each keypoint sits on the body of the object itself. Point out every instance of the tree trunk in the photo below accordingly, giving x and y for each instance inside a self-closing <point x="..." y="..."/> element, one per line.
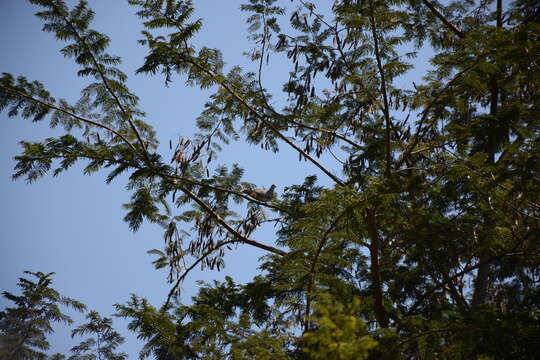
<point x="376" y="282"/>
<point x="482" y="276"/>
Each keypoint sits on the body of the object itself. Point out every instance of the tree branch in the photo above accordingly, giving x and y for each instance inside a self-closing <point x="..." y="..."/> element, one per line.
<point x="229" y="228"/>
<point x="218" y="188"/>
<point x="191" y="195"/>
<point x="427" y="333"/>
<point x="225" y="86"/>
<point x="192" y="266"/>
<point x="54" y="107"/>
<point x="325" y="131"/>
<point x="383" y="90"/>
<point x="322" y="243"/>
<point x="482" y="277"/>
<point x="127" y="115"/>
<point x="287" y="118"/>
<point x="239" y="238"/>
<point x="468" y="269"/>
<point x="420" y="132"/>
<point x="441" y="17"/>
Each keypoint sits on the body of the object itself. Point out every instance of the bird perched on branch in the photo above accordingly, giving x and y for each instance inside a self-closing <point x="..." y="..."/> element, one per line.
<point x="261" y="194"/>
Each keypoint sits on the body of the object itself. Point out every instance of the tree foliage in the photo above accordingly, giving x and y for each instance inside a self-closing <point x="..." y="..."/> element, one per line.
<point x="425" y="245"/>
<point x="104" y="343"/>
<point x="24" y="328"/>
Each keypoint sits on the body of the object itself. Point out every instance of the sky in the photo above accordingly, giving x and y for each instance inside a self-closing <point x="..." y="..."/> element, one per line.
<point x="72" y="225"/>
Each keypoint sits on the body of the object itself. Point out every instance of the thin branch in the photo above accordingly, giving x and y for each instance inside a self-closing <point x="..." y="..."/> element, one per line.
<point x="336" y="34"/>
<point x="287" y="118"/>
<point x="311" y="10"/>
<point x="261" y="60"/>
<point x="54" y="107"/>
<point x="127" y="115"/>
<point x="427" y="333"/>
<point x="229" y="228"/>
<point x="421" y="131"/>
<point x="190" y="194"/>
<point x="336" y="158"/>
<point x="383" y="89"/>
<point x="490" y="178"/>
<point x="441" y="17"/>
<point x="225" y="86"/>
<point x="483" y="274"/>
<point x="326" y="131"/>
<point x="171" y="177"/>
<point x="174" y="289"/>
<point x="86" y="156"/>
<point x="177" y="178"/>
<point x="449" y="286"/>
<point x="239" y="239"/>
<point x="347" y="63"/>
<point x="218" y="188"/>
<point x="322" y="243"/>
<point x="466" y="270"/>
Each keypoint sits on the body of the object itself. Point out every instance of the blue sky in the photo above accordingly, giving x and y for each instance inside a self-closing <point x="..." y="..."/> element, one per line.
<point x="72" y="225"/>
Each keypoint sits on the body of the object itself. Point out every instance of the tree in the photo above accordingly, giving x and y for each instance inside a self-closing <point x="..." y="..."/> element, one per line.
<point x="430" y="229"/>
<point x="24" y="328"/>
<point x="100" y="347"/>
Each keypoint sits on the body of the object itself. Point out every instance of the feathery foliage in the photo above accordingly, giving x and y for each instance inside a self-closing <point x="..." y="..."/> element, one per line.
<point x="102" y="345"/>
<point x="24" y="328"/>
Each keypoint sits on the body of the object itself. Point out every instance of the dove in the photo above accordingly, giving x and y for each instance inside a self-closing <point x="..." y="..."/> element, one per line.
<point x="262" y="194"/>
